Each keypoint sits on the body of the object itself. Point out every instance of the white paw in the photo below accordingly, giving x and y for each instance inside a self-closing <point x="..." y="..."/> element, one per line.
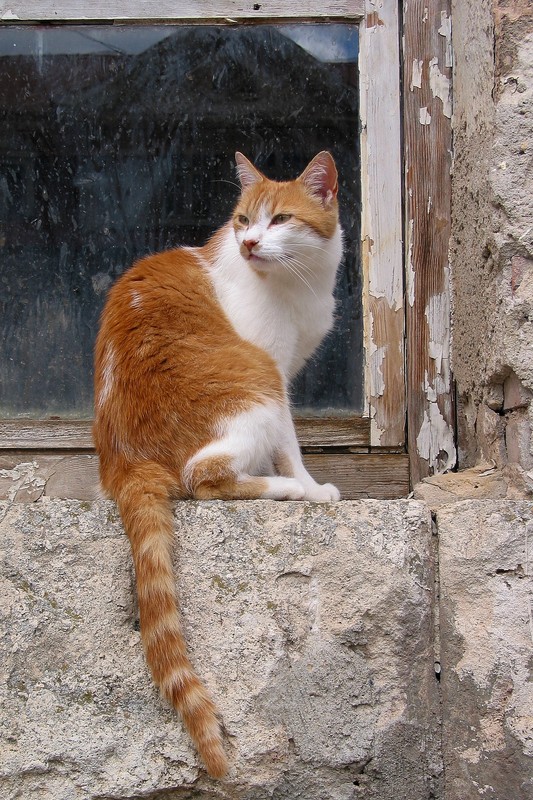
<point x="284" y="489"/>
<point x="327" y="493"/>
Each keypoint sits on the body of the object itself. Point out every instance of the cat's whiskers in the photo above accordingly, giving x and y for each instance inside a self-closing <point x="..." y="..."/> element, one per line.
<point x="231" y="183"/>
<point x="311" y="245"/>
<point x="292" y="266"/>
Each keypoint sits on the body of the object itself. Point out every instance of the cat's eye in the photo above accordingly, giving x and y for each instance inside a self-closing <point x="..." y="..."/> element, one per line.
<point x="243" y="220"/>
<point x="279" y="219"/>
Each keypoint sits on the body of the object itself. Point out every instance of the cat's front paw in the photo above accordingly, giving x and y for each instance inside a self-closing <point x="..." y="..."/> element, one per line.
<point x="327" y="493"/>
<point x="279" y="488"/>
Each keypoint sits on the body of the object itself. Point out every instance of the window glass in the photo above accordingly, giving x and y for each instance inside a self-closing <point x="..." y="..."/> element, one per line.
<point x="118" y="141"/>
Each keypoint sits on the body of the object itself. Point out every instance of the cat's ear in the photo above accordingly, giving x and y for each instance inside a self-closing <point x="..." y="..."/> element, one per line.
<point x="247" y="173"/>
<point x="320" y="177"/>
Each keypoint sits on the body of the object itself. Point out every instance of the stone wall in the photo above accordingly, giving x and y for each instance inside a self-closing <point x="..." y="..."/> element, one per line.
<point x="492" y="230"/>
<point x="318" y="630"/>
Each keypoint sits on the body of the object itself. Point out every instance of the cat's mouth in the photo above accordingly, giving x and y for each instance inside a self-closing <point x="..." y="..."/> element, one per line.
<point x="254" y="258"/>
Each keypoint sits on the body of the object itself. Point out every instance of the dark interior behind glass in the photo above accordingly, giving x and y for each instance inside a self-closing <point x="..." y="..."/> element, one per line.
<point x="118" y="141"/>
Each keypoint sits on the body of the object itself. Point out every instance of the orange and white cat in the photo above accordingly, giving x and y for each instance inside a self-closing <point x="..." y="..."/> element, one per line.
<point x="195" y="353"/>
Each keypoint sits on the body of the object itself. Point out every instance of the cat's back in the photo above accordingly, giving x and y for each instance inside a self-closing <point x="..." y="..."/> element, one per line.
<point x="165" y="291"/>
<point x="164" y="338"/>
<point x="159" y="315"/>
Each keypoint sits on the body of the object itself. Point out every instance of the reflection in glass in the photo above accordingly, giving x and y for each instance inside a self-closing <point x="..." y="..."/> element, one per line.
<point x="118" y="141"/>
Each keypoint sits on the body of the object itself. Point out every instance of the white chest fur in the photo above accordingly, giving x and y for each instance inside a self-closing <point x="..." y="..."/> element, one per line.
<point x="286" y="314"/>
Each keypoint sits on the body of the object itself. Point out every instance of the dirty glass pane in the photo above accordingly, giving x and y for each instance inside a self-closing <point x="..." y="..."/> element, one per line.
<point x="118" y="141"/>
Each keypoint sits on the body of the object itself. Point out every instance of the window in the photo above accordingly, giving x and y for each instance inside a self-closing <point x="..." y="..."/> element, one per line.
<point x="118" y="140"/>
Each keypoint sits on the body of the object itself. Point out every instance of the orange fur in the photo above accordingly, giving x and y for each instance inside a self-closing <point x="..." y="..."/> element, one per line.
<point x="288" y="196"/>
<point x="169" y="368"/>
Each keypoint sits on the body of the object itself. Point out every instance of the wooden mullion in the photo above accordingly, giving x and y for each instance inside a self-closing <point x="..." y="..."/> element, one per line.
<point x="427" y="73"/>
<point x="381" y="174"/>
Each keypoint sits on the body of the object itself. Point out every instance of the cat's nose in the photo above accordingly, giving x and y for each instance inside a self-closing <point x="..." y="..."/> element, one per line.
<point x="250" y="244"/>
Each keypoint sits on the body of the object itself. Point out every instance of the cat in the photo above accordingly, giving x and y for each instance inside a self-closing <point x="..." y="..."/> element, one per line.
<point x="193" y="359"/>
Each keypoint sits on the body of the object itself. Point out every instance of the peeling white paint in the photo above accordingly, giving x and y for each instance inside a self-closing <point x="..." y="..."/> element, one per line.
<point x="440" y="87"/>
<point x="446" y="31"/>
<point x="424" y="116"/>
<point x="410" y="272"/>
<point x="390" y="287"/>
<point x="9" y="14"/>
<point x="430" y="204"/>
<point x="416" y="74"/>
<point x="426" y="14"/>
<point x="375" y="361"/>
<point x="376" y="432"/>
<point x="382" y="227"/>
<point x="438" y="320"/>
<point x="23" y="477"/>
<point x="434" y="438"/>
<point x="431" y="392"/>
<point x="436" y="352"/>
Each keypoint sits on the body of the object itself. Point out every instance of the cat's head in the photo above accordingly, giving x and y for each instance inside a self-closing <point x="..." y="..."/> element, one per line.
<point x="280" y="223"/>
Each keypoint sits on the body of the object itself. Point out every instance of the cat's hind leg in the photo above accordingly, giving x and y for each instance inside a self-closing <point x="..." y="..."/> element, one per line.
<point x="238" y="464"/>
<point x="215" y="479"/>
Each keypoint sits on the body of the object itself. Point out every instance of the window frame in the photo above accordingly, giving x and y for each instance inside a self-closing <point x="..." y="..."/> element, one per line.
<point x="368" y="452"/>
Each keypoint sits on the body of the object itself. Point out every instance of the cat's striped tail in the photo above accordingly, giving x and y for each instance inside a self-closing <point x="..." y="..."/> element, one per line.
<point x="144" y="503"/>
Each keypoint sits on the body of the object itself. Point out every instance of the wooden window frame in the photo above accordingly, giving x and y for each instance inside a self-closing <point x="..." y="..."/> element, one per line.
<point x="366" y="456"/>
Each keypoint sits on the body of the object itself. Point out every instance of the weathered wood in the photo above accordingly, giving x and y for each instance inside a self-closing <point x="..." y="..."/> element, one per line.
<point x="25" y="477"/>
<point x="379" y="476"/>
<point x="76" y="434"/>
<point x="45" y="434"/>
<point x="427" y="72"/>
<point x="332" y="432"/>
<point x="169" y="10"/>
<point x="382" y="222"/>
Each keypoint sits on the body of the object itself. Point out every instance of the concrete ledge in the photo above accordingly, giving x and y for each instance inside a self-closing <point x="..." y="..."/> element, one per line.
<point x="312" y="625"/>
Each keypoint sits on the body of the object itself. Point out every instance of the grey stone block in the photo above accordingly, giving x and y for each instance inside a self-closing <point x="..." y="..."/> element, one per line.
<point x="311" y="625"/>
<point x="486" y="553"/>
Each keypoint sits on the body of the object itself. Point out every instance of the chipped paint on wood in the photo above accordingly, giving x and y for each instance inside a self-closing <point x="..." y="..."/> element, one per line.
<point x="427" y="135"/>
<point x="382" y="223"/>
<point x="386" y="369"/>
<point x="435" y="441"/>
<point x="438" y="321"/>
<point x="410" y="273"/>
<point x="22" y="482"/>
<point x="48" y="475"/>
<point x="222" y="10"/>
<point x="446" y="31"/>
<point x="373" y="19"/>
<point x="416" y="74"/>
<point x="440" y="86"/>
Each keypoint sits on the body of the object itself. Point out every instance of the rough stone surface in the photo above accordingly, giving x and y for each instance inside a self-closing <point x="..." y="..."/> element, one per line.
<point x="486" y="557"/>
<point x="482" y="482"/>
<point x="492" y="234"/>
<point x="312" y="626"/>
